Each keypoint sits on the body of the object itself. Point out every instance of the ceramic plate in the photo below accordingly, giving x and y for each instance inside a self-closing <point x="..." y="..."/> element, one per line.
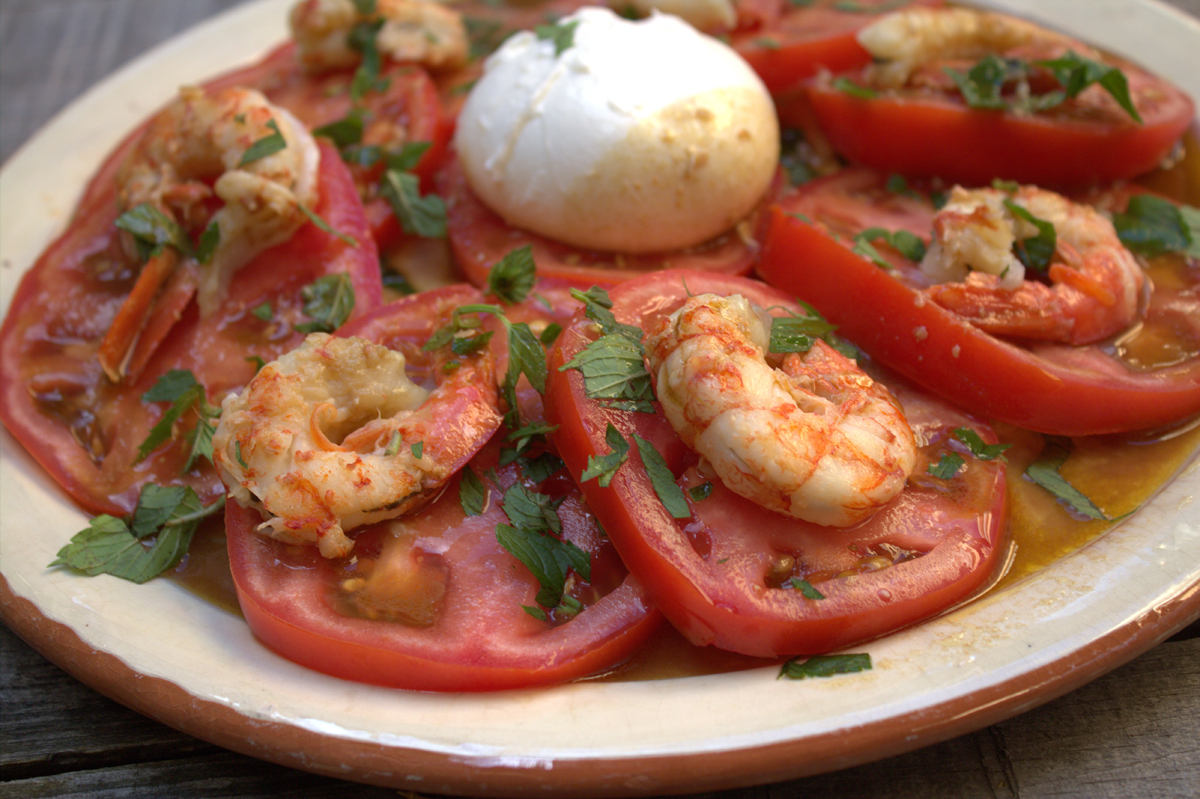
<point x="163" y="651"/>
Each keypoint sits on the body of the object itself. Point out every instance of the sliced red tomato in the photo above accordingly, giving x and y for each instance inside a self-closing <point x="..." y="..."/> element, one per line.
<point x="1146" y="379"/>
<point x="1088" y="139"/>
<point x="480" y="238"/>
<point x="432" y="600"/>
<point x="807" y="38"/>
<point x="84" y="429"/>
<point x="406" y="111"/>
<point x="723" y="576"/>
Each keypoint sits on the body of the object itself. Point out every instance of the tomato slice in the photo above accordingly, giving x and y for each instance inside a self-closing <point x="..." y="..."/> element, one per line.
<point x="432" y="601"/>
<point x="719" y="575"/>
<point x="1088" y="139"/>
<point x="1058" y="389"/>
<point x="84" y="429"/>
<point x="408" y="110"/>
<point x="807" y="38"/>
<point x="480" y="238"/>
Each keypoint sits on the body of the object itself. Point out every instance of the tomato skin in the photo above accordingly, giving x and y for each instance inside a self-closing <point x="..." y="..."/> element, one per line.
<point x="807" y="39"/>
<point x="1053" y="389"/>
<point x="980" y="145"/>
<point x="480" y="238"/>
<point x="60" y="313"/>
<point x="706" y="573"/>
<point x="482" y="639"/>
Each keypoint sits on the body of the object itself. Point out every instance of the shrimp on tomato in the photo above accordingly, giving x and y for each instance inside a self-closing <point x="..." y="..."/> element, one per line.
<point x="334" y="435"/>
<point x="903" y="42"/>
<point x="813" y="437"/>
<point x="199" y="138"/>
<point x="1095" y="283"/>
<point x="419" y="31"/>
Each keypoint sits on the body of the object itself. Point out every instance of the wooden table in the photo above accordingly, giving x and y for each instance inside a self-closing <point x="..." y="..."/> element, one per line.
<point x="1134" y="732"/>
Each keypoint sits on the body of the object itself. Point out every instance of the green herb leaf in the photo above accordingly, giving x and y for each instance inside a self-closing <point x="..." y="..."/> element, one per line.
<point x="328" y="301"/>
<point x="152" y="229"/>
<point x="947" y="467"/>
<point x="981" y="85"/>
<point x="797" y="333"/>
<point x="472" y="494"/>
<point x="701" y="492"/>
<point x="561" y="34"/>
<point x="179" y="387"/>
<point x="908" y="244"/>
<point x="847" y="86"/>
<point x="613" y="369"/>
<point x="531" y="510"/>
<point x="604" y="467"/>
<point x="548" y="558"/>
<point x="550" y="334"/>
<point x="1075" y="73"/>
<point x="805" y="588"/>
<point x="418" y="215"/>
<point x="668" y="491"/>
<point x="325" y="226"/>
<point x="541" y="467"/>
<point x="210" y="239"/>
<point x="977" y="446"/>
<point x="345" y="131"/>
<point x="1036" y="251"/>
<point x="263" y="311"/>
<point x="1151" y="226"/>
<point x="825" y="666"/>
<point x="417" y="449"/>
<point x="1044" y="471"/>
<point x="109" y="546"/>
<point x="512" y="277"/>
<point x="268" y="145"/>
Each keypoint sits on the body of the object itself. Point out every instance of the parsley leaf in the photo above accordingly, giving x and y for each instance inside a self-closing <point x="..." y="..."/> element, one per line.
<point x="512" y="277"/>
<point x="947" y="466"/>
<point x="110" y="546"/>
<point x="1151" y="226"/>
<point x="153" y="229"/>
<point x="420" y="215"/>
<point x="1037" y="250"/>
<point x="1075" y="73"/>
<point x="981" y="450"/>
<point x="848" y="86"/>
<point x="179" y="387"/>
<point x="668" y="491"/>
<point x="825" y="666"/>
<point x="805" y="588"/>
<point x="1044" y="472"/>
<point x="325" y="226"/>
<point x="345" y="131"/>
<point x="701" y="492"/>
<point x="328" y="301"/>
<point x="472" y="494"/>
<point x="905" y="242"/>
<point x="270" y="144"/>
<point x="604" y="467"/>
<point x="561" y="34"/>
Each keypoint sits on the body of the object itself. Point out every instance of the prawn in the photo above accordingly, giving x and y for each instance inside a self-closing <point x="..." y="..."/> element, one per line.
<point x="198" y="137"/>
<point x="814" y="438"/>
<point x="902" y="42"/>
<point x="420" y="31"/>
<point x="334" y="435"/>
<point x="1095" y="282"/>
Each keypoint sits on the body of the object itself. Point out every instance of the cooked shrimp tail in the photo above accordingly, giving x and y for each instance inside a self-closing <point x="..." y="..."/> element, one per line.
<point x="415" y="31"/>
<point x="814" y="438"/>
<point x="197" y="139"/>
<point x="1095" y="283"/>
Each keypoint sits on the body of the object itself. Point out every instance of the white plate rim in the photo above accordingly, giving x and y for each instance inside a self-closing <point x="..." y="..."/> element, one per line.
<point x="1001" y="655"/>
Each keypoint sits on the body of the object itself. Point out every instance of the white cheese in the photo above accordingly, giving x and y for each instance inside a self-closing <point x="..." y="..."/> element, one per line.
<point x="637" y="137"/>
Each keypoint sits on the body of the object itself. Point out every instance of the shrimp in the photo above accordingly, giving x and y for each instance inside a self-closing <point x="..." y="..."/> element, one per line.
<point x="199" y="137"/>
<point x="1095" y="282"/>
<point x="420" y="31"/>
<point x="904" y="41"/>
<point x="334" y="435"/>
<point x="814" y="438"/>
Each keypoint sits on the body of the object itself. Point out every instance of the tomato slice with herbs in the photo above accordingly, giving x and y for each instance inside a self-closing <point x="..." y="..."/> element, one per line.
<point x="436" y="600"/>
<point x="737" y="576"/>
<point x="86" y="430"/>
<point x="1085" y="139"/>
<point x="405" y="111"/>
<point x="1145" y="378"/>
<point x="804" y="39"/>
<point x="480" y="238"/>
